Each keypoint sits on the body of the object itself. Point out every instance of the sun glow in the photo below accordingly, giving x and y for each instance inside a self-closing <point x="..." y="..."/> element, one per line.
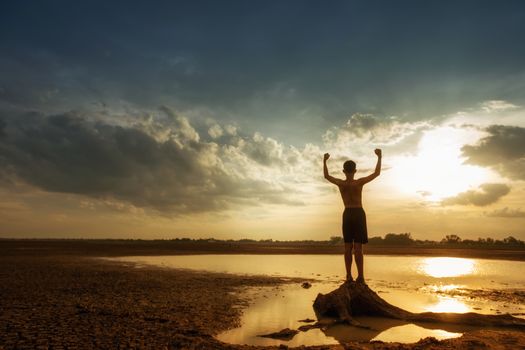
<point x="447" y="267"/>
<point x="449" y="305"/>
<point x="444" y="288"/>
<point x="438" y="171"/>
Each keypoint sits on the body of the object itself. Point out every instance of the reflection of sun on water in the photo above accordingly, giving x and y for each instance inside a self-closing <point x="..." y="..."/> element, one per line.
<point x="449" y="305"/>
<point x="447" y="267"/>
<point x="438" y="171"/>
<point x="445" y="288"/>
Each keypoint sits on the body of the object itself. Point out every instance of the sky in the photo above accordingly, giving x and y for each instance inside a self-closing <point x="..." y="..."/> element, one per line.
<point x="200" y="119"/>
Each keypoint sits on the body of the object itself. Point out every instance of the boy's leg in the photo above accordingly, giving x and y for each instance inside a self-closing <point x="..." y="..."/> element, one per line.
<point x="358" y="252"/>
<point x="348" y="260"/>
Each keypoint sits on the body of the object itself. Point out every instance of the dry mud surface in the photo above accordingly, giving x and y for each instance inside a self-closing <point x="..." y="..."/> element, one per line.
<point x="53" y="301"/>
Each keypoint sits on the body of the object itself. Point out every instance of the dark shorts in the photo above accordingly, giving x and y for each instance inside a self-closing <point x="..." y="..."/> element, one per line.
<point x="354" y="225"/>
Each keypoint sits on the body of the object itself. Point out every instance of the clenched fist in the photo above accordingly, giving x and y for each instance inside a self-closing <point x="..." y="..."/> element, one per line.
<point x="326" y="156"/>
<point x="378" y="152"/>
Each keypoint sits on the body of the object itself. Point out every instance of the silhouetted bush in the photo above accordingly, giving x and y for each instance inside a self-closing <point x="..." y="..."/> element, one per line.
<point x="336" y="240"/>
<point x="375" y="240"/>
<point x="398" y="239"/>
<point x="451" y="239"/>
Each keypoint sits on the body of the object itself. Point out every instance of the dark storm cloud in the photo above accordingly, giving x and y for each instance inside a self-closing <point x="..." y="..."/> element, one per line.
<point x="2" y="127"/>
<point x="69" y="154"/>
<point x="503" y="149"/>
<point x="241" y="59"/>
<point x="488" y="194"/>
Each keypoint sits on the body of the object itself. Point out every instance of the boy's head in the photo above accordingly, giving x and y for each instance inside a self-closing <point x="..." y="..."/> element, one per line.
<point x="349" y="167"/>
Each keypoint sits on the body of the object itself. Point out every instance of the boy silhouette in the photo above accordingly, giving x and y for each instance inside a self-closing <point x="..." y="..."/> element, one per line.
<point x="355" y="233"/>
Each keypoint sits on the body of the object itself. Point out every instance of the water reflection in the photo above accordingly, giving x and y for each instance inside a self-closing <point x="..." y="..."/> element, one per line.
<point x="412" y="283"/>
<point x="390" y="330"/>
<point x="444" y="288"/>
<point x="275" y="308"/>
<point x="447" y="267"/>
<point x="447" y="304"/>
<point x="411" y="333"/>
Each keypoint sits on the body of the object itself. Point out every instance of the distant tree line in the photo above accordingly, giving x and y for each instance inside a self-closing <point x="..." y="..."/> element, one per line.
<point x="508" y="241"/>
<point x="390" y="239"/>
<point x="404" y="239"/>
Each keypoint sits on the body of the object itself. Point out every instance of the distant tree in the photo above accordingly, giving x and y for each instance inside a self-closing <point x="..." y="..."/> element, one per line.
<point x="375" y="240"/>
<point x="425" y="242"/>
<point x="514" y="242"/>
<point x="510" y="240"/>
<point x="451" y="239"/>
<point x="398" y="238"/>
<point x="246" y="240"/>
<point x="336" y="240"/>
<point x="468" y="242"/>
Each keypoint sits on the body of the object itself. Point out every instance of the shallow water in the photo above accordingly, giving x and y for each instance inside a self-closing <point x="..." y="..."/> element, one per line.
<point x="416" y="284"/>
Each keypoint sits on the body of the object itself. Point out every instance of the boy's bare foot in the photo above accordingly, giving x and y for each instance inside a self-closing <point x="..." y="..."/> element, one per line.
<point x="349" y="279"/>
<point x="360" y="279"/>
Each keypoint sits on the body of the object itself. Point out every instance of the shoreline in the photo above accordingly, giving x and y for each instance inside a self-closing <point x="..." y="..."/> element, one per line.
<point x="113" y="248"/>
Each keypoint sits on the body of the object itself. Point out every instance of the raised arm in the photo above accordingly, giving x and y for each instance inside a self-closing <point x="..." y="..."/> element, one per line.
<point x="377" y="170"/>
<point x="327" y="176"/>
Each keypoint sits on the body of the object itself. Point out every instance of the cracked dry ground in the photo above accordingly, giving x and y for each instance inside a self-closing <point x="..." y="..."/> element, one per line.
<point x="84" y="303"/>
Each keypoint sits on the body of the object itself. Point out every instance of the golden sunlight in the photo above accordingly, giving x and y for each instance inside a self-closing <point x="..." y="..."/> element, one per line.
<point x="449" y="305"/>
<point x="444" y="288"/>
<point x="437" y="171"/>
<point x="447" y="267"/>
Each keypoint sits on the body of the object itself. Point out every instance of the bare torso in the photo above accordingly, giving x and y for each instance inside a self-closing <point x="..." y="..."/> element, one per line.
<point x="351" y="191"/>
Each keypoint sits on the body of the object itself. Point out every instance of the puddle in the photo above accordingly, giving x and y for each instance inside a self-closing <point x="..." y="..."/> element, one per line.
<point x="417" y="284"/>
<point x="388" y="330"/>
<point x="274" y="309"/>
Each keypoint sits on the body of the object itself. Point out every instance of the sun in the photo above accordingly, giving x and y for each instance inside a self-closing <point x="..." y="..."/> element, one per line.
<point x="438" y="170"/>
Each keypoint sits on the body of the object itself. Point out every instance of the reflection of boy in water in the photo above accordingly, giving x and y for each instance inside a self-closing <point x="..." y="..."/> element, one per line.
<point x="354" y="219"/>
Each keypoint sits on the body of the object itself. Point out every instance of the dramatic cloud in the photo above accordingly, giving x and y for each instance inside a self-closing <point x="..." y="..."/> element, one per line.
<point x="497" y="105"/>
<point x="507" y="213"/>
<point x="369" y="129"/>
<point x="160" y="160"/>
<point x="215" y="131"/>
<point x="161" y="165"/>
<point x="488" y="194"/>
<point x="503" y="150"/>
<point x="2" y="126"/>
<point x="304" y="70"/>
